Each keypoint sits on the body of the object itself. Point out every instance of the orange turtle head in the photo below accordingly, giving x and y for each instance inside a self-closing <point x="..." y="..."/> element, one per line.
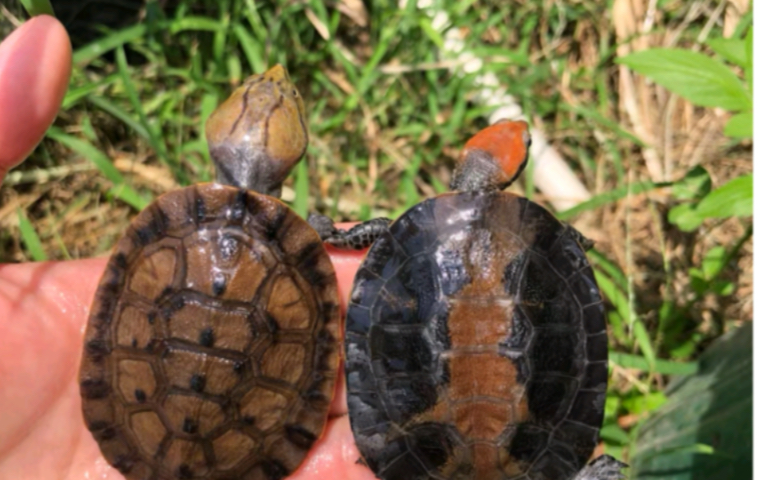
<point x="493" y="158"/>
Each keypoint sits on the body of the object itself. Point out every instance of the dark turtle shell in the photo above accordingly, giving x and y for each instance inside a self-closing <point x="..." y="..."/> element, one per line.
<point x="211" y="351"/>
<point x="476" y="345"/>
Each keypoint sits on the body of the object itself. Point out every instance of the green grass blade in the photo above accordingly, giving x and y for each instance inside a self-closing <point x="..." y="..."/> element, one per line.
<point x="85" y="55"/>
<point x="610" y="197"/>
<point x="38" y="7"/>
<point x="665" y="367"/>
<point x="102" y="162"/>
<point x="30" y="238"/>
<point x="118" y="112"/>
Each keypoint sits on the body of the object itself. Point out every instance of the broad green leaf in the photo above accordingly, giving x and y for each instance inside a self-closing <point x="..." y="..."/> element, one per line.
<point x="645" y="402"/>
<point x="692" y="75"/>
<point x="734" y="199"/>
<point x="740" y="125"/>
<point x="685" y="217"/>
<point x="694" y="185"/>
<point x="732" y="49"/>
<point x="614" y="433"/>
<point x="704" y="430"/>
<point x="30" y="238"/>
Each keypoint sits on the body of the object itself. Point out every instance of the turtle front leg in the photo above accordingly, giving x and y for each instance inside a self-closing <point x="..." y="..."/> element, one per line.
<point x="604" y="467"/>
<point x="358" y="237"/>
<point x="585" y="243"/>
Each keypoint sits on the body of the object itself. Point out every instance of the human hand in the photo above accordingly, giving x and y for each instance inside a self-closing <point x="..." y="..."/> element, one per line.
<point x="44" y="306"/>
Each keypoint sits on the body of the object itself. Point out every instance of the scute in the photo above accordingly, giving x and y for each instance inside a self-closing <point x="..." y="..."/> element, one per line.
<point x="210" y="337"/>
<point x="475" y="345"/>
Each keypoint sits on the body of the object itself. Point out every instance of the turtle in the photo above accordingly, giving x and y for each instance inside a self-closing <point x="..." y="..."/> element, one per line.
<point x="213" y="341"/>
<point x="475" y="337"/>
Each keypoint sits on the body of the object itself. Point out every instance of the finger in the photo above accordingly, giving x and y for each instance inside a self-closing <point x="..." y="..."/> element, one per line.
<point x="35" y="63"/>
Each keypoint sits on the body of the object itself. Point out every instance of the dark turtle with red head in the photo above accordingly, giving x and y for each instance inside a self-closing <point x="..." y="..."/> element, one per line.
<point x="211" y="350"/>
<point x="476" y="343"/>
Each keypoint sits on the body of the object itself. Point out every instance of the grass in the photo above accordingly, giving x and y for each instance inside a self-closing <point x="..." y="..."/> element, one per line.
<point x="388" y="117"/>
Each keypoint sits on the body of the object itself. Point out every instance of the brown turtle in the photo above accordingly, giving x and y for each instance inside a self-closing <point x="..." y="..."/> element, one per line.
<point x="211" y="349"/>
<point x="475" y="337"/>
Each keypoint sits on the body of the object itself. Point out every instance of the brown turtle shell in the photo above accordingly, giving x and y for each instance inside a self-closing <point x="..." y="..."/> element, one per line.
<point x="212" y="346"/>
<point x="476" y="344"/>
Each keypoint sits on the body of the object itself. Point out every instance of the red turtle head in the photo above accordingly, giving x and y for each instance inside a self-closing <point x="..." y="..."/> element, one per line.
<point x="493" y="158"/>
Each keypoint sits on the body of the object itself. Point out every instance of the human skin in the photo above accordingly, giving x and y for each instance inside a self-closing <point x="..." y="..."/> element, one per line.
<point x="44" y="306"/>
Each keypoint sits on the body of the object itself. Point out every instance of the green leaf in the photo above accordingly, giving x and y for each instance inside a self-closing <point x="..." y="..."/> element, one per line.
<point x="694" y="185"/>
<point x="685" y="217"/>
<point x="103" y="163"/>
<point x="714" y="262"/>
<point x="645" y="403"/>
<point x="748" y="69"/>
<point x="665" y="367"/>
<point x="614" y="433"/>
<point x="38" y="7"/>
<point x="740" y="125"/>
<point x="704" y="430"/>
<point x="692" y="75"/>
<point x="30" y="238"/>
<point x="732" y="49"/>
<point x="644" y="342"/>
<point x="734" y="199"/>
<point x="88" y="53"/>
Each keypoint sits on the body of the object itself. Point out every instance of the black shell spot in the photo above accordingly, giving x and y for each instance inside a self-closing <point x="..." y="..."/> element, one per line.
<point x="184" y="472"/>
<point x="189" y="426"/>
<point x="219" y="283"/>
<point x="140" y="395"/>
<point x="197" y="382"/>
<point x="93" y="389"/>
<point x="274" y="470"/>
<point x="299" y="436"/>
<point x="206" y="338"/>
<point x="123" y="463"/>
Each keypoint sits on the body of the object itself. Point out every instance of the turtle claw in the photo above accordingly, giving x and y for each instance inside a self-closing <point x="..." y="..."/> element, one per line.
<point x="323" y="225"/>
<point x="604" y="467"/>
<point x="585" y="243"/>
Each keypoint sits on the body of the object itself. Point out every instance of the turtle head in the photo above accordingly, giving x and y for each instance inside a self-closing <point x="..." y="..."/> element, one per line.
<point x="259" y="133"/>
<point x="493" y="158"/>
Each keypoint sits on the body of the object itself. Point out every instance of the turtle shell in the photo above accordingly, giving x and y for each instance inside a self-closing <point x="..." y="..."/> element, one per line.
<point x="476" y="345"/>
<point x="212" y="346"/>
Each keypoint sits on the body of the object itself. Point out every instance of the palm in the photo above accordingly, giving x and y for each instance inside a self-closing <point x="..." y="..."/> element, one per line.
<point x="44" y="309"/>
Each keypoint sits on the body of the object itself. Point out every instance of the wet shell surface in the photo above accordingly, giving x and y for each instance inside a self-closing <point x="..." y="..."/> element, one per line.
<point x="211" y="351"/>
<point x="476" y="345"/>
